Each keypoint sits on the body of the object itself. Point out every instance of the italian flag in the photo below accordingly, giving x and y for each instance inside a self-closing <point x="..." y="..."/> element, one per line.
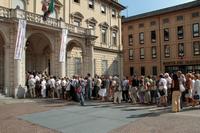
<point x="50" y="10"/>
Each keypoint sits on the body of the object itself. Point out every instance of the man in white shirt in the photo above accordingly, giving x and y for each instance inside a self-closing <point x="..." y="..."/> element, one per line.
<point x="31" y="84"/>
<point x="64" y="85"/>
<point x="52" y="86"/>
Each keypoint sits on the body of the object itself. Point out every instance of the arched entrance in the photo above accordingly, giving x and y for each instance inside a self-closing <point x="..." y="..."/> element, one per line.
<point x="1" y="63"/>
<point x="38" y="54"/>
<point x="74" y="59"/>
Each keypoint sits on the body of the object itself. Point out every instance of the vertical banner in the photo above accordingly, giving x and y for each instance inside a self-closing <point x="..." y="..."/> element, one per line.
<point x="20" y="39"/>
<point x="63" y="45"/>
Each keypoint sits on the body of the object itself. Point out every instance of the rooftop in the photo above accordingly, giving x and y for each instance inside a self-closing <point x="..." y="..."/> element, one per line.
<point x="163" y="11"/>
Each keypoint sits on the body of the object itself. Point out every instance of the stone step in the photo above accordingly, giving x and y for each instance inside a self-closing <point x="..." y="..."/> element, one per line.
<point x="2" y="96"/>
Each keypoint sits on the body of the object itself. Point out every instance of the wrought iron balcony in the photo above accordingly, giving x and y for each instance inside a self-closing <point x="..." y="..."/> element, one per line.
<point x="33" y="18"/>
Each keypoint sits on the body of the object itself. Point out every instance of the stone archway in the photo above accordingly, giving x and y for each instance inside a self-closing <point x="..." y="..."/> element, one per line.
<point x="74" y="58"/>
<point x="2" y="63"/>
<point x="38" y="54"/>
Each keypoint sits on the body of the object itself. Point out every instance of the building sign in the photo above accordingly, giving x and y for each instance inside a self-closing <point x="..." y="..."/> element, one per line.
<point x="187" y="62"/>
<point x="63" y="45"/>
<point x="20" y="42"/>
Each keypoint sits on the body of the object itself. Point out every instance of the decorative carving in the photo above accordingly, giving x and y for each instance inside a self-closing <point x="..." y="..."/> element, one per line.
<point x="115" y="27"/>
<point x="91" y="20"/>
<point x="27" y="1"/>
<point x="77" y="15"/>
<point x="104" y="24"/>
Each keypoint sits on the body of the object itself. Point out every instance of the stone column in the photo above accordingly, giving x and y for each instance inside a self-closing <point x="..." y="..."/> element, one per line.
<point x="52" y="63"/>
<point x="7" y="88"/>
<point x="92" y="60"/>
<point x="61" y="65"/>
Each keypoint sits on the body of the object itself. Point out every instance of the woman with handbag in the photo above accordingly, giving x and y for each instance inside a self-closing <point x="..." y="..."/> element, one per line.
<point x="176" y="94"/>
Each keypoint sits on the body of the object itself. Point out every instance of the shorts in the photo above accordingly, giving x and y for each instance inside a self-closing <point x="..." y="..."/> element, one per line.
<point x="162" y="93"/>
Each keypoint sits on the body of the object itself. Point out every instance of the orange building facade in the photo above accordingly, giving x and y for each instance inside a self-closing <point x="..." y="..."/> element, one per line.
<point x="165" y="40"/>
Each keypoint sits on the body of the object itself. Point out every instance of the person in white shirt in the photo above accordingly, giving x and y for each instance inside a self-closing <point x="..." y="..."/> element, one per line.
<point x="163" y="90"/>
<point x="64" y="85"/>
<point x="52" y="86"/>
<point x="169" y="85"/>
<point x="125" y="89"/>
<point x="43" y="85"/>
<point x="58" y="87"/>
<point x="182" y="81"/>
<point x="37" y="85"/>
<point x="37" y="78"/>
<point x="193" y="82"/>
<point x="197" y="85"/>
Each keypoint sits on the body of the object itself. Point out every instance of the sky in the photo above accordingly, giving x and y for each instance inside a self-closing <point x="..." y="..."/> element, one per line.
<point x="141" y="6"/>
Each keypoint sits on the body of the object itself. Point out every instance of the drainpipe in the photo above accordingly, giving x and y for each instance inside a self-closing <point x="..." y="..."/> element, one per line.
<point x="64" y="10"/>
<point x="69" y="10"/>
<point x="160" y="44"/>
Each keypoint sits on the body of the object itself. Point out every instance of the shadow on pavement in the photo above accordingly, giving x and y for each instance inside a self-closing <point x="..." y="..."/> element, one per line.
<point x="49" y="102"/>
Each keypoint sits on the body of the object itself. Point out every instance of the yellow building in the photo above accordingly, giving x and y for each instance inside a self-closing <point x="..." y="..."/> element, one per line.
<point x="165" y="40"/>
<point x="93" y="40"/>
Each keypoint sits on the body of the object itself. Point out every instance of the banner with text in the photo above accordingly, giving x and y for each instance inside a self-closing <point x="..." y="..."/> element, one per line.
<point x="20" y="39"/>
<point x="63" y="45"/>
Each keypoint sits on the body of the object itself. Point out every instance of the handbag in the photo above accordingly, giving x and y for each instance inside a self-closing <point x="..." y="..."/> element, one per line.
<point x="78" y="90"/>
<point x="181" y="87"/>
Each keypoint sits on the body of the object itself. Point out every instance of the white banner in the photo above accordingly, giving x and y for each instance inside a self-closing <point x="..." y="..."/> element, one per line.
<point x="63" y="45"/>
<point x="20" y="42"/>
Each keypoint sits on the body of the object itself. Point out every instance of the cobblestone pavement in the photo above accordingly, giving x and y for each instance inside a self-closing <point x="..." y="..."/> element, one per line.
<point x="11" y="108"/>
<point x="136" y="119"/>
<point x="187" y="121"/>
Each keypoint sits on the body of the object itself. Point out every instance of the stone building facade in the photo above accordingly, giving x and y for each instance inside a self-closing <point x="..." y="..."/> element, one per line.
<point x="93" y="42"/>
<point x="165" y="40"/>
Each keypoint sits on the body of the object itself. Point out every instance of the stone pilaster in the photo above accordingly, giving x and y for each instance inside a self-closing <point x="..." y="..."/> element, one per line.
<point x="17" y="76"/>
<point x="89" y="59"/>
<point x="62" y="69"/>
<point x="121" y="74"/>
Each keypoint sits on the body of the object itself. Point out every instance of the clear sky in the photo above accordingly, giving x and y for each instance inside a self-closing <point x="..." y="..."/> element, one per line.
<point x="141" y="6"/>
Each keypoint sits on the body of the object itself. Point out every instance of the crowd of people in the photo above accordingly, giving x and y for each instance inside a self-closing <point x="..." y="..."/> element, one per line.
<point x="177" y="89"/>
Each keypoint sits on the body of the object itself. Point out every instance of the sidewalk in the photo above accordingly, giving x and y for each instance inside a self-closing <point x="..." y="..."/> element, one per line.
<point x="138" y="118"/>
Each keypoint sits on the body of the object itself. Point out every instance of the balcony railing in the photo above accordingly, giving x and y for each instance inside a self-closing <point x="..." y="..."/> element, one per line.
<point x="36" y="18"/>
<point x="76" y="29"/>
<point x="33" y="18"/>
<point x="4" y="12"/>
